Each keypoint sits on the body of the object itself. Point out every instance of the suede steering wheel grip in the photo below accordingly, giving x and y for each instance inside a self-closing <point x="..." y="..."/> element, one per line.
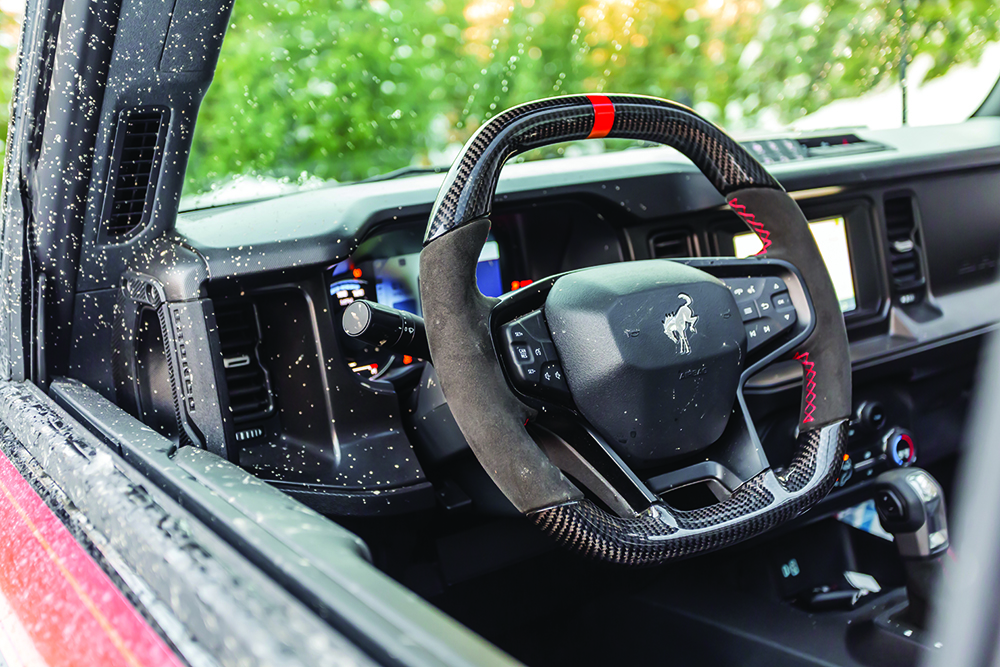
<point x="456" y="317"/>
<point x="492" y="419"/>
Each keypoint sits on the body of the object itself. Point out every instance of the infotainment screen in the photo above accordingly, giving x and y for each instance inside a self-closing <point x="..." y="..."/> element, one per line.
<point x="831" y="237"/>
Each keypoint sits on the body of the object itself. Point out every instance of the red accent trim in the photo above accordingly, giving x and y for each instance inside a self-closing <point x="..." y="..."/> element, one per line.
<point x="604" y="116"/>
<point x="757" y="227"/>
<point x="71" y="610"/>
<point x="913" y="449"/>
<point x="810" y="366"/>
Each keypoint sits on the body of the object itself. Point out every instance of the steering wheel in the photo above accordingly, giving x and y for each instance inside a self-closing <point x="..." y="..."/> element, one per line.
<point x="601" y="378"/>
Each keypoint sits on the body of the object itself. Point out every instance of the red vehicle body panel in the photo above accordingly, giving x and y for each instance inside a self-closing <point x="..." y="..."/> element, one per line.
<point x="71" y="610"/>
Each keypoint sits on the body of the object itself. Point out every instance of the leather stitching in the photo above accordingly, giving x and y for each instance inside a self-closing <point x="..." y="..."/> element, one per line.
<point x="810" y="367"/>
<point x="757" y="227"/>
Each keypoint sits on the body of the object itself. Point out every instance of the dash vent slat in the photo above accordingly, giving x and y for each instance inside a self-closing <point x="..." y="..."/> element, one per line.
<point x="905" y="266"/>
<point x="671" y="244"/>
<point x="136" y="158"/>
<point x="247" y="384"/>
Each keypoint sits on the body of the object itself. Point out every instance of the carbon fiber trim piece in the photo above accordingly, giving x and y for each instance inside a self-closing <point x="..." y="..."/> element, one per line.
<point x="662" y="533"/>
<point x="467" y="193"/>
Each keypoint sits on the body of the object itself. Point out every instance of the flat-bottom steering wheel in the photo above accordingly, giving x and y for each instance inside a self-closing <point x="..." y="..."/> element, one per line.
<point x="598" y="378"/>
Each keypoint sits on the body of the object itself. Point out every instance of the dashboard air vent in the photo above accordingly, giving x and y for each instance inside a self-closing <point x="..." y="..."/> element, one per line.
<point x="788" y="149"/>
<point x="905" y="268"/>
<point x="135" y="168"/>
<point x="671" y="244"/>
<point x="247" y="383"/>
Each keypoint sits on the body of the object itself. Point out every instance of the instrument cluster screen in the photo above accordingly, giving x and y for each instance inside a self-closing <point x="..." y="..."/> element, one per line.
<point x="397" y="278"/>
<point x="831" y="237"/>
<point x="395" y="282"/>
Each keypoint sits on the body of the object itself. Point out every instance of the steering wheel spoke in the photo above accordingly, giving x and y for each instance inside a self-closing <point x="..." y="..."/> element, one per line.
<point x="582" y="454"/>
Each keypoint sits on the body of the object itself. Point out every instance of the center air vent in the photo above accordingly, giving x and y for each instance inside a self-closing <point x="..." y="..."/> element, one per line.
<point x="905" y="267"/>
<point x="671" y="244"/>
<point x="246" y="380"/>
<point x="135" y="168"/>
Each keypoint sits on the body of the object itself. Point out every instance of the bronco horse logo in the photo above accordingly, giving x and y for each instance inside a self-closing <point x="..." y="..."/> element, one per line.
<point x="675" y="325"/>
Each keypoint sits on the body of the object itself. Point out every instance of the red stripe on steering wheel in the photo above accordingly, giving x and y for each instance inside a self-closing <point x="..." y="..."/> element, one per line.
<point x="604" y="116"/>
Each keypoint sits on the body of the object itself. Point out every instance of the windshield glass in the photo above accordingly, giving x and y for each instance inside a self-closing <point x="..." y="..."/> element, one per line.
<point x="309" y="92"/>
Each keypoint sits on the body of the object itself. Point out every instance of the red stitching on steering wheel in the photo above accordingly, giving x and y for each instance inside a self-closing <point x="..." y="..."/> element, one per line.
<point x="757" y="227"/>
<point x="810" y="367"/>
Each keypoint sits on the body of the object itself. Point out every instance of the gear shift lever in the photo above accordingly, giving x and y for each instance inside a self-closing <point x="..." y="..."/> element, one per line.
<point x="910" y="505"/>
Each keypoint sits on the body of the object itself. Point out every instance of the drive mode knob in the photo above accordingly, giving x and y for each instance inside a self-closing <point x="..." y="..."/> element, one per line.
<point x="872" y="415"/>
<point x="899" y="448"/>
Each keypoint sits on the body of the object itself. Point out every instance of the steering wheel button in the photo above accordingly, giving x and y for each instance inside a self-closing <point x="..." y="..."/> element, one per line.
<point x="754" y="288"/>
<point x="522" y="354"/>
<point x="553" y="377"/>
<point x="748" y="311"/>
<point x="781" y="301"/>
<point x="516" y="332"/>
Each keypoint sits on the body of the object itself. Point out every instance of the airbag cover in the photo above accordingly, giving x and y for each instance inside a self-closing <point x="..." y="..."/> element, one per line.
<point x="652" y="352"/>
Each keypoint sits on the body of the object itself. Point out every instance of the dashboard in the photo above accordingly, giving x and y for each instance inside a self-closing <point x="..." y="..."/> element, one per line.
<point x="374" y="274"/>
<point x="907" y="232"/>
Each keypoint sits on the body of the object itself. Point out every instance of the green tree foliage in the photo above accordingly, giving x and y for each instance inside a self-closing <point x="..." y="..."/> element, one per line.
<point x="351" y="88"/>
<point x="10" y="31"/>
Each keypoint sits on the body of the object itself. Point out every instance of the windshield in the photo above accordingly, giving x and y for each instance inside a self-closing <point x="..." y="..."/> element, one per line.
<point x="309" y="92"/>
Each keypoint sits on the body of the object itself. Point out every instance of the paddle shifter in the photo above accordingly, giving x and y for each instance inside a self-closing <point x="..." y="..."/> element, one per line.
<point x="910" y="506"/>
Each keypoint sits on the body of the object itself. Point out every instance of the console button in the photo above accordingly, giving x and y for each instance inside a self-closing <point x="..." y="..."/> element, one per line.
<point x="846" y="471"/>
<point x="872" y="415"/>
<point x="889" y="505"/>
<point x="899" y="447"/>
